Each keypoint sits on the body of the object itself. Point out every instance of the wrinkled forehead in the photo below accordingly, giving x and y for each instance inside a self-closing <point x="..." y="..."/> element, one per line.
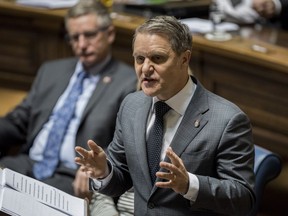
<point x="145" y="39"/>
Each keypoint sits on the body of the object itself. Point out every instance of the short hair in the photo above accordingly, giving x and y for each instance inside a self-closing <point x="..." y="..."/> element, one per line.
<point x="168" y="26"/>
<point x="85" y="7"/>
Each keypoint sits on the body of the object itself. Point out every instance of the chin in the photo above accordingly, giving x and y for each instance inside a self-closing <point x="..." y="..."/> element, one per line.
<point x="149" y="92"/>
<point x="88" y="61"/>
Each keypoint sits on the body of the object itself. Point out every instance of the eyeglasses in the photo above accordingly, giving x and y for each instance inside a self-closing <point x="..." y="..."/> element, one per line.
<point x="88" y="35"/>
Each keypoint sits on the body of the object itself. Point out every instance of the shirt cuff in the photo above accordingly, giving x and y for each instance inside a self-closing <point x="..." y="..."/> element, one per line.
<point x="193" y="190"/>
<point x="99" y="183"/>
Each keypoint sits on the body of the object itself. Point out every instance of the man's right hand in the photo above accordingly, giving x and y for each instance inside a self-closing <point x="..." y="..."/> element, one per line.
<point x="94" y="161"/>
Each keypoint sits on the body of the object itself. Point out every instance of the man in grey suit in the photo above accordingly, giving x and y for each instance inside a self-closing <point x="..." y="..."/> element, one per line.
<point x="108" y="81"/>
<point x="207" y="155"/>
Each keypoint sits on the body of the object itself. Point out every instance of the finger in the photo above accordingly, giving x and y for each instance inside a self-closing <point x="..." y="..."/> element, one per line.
<point x="162" y="184"/>
<point x="79" y="161"/>
<point x="94" y="147"/>
<point x="168" y="167"/>
<point x="171" y="180"/>
<point x="81" y="151"/>
<point x="173" y="157"/>
<point x="84" y="159"/>
<point x="166" y="175"/>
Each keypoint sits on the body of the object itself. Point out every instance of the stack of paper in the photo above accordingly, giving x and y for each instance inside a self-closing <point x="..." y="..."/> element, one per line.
<point x="25" y="196"/>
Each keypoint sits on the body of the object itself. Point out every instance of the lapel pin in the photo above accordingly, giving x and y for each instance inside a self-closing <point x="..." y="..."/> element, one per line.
<point x="197" y="123"/>
<point x="107" y="79"/>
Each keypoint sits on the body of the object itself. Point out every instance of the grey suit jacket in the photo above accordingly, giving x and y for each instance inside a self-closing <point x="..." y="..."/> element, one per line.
<point x="98" y="121"/>
<point x="219" y="152"/>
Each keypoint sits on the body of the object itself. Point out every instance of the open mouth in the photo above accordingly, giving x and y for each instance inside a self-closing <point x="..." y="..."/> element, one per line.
<point x="85" y="54"/>
<point x="148" y="81"/>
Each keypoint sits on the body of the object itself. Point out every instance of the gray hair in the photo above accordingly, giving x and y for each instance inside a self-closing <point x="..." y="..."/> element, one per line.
<point x="85" y="7"/>
<point x="168" y="26"/>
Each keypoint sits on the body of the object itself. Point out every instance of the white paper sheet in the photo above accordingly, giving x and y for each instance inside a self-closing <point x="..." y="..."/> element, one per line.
<point x="203" y="26"/>
<point x="52" y="4"/>
<point x="36" y="191"/>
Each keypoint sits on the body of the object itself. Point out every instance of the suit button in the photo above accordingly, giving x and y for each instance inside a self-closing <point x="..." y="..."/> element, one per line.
<point x="151" y="205"/>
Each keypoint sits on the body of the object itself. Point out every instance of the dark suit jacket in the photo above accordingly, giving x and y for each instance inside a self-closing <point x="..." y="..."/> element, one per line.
<point x="98" y="121"/>
<point x="284" y="14"/>
<point x="219" y="152"/>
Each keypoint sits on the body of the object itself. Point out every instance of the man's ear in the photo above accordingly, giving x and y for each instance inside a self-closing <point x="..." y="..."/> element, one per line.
<point x="111" y="34"/>
<point x="186" y="57"/>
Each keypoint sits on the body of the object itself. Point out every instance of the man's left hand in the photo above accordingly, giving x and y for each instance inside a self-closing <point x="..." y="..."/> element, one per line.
<point x="177" y="176"/>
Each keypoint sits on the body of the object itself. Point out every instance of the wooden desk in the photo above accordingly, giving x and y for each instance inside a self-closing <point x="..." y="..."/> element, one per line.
<point x="257" y="82"/>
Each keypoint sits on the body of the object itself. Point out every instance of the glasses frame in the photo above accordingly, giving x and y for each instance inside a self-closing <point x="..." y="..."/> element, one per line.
<point x="88" y="35"/>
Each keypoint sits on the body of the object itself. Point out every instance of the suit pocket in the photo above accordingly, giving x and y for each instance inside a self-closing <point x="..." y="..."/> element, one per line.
<point x="194" y="156"/>
<point x="196" y="162"/>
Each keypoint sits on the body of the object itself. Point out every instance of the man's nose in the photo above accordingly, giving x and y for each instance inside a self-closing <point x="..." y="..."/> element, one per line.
<point x="147" y="67"/>
<point x="82" y="41"/>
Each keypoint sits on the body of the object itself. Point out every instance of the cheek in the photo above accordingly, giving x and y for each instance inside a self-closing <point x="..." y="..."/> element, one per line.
<point x="96" y="47"/>
<point x="137" y="70"/>
<point x="167" y="76"/>
<point x="75" y="49"/>
<point x="164" y="73"/>
<point x="102" y="42"/>
<point x="173" y="70"/>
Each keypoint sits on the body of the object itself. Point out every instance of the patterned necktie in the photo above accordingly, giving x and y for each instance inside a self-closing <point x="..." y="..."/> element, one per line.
<point x="155" y="139"/>
<point x="45" y="168"/>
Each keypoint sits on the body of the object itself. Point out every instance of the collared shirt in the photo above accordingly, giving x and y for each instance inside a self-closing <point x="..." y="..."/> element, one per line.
<point x="172" y="120"/>
<point x="67" y="152"/>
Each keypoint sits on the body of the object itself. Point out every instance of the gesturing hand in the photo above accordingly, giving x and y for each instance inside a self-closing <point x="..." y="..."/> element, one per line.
<point x="177" y="177"/>
<point x="94" y="161"/>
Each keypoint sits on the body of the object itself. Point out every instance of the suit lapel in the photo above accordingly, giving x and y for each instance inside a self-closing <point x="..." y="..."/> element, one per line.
<point x="186" y="133"/>
<point x="140" y="139"/>
<point x="108" y="71"/>
<point x="64" y="72"/>
<point x="192" y="122"/>
<point x="96" y="95"/>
